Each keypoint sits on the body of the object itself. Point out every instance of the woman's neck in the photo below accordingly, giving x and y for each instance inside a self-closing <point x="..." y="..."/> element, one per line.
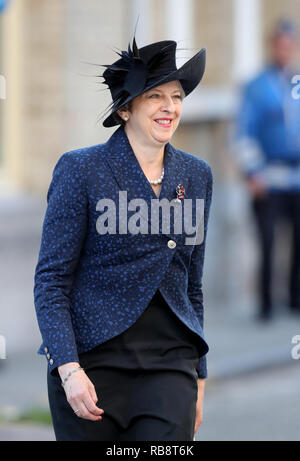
<point x="150" y="157"/>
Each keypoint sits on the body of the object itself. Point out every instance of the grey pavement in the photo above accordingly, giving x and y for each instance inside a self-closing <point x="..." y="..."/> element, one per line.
<point x="238" y="343"/>
<point x="26" y="432"/>
<point x="260" y="406"/>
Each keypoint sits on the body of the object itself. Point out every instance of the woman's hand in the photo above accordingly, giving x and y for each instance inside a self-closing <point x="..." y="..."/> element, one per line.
<point x="199" y="404"/>
<point x="80" y="392"/>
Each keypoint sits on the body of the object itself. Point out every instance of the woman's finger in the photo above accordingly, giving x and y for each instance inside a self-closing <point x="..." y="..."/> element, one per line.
<point x="93" y="393"/>
<point x="91" y="407"/>
<point x="83" y="411"/>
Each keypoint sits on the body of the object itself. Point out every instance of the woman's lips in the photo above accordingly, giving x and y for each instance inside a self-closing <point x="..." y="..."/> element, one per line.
<point x="164" y="122"/>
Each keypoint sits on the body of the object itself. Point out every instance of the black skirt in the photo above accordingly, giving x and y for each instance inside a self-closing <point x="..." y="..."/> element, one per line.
<point x="158" y="340"/>
<point x="145" y="379"/>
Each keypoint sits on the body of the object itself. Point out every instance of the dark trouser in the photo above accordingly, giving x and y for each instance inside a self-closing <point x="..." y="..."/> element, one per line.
<point x="138" y="406"/>
<point x="268" y="211"/>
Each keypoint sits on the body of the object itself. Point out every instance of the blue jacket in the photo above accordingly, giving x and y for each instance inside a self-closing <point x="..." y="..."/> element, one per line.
<point x="90" y="287"/>
<point x="268" y="129"/>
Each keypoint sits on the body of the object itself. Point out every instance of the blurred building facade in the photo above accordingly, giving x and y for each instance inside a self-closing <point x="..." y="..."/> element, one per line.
<point x="53" y="98"/>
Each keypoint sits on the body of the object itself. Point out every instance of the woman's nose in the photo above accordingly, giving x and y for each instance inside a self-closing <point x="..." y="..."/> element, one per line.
<point x="168" y="105"/>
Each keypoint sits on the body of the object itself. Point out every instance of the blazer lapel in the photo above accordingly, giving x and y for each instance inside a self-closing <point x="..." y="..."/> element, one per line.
<point x="131" y="178"/>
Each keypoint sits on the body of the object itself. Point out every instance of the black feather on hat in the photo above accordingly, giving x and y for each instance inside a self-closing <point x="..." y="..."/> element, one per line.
<point x="139" y="70"/>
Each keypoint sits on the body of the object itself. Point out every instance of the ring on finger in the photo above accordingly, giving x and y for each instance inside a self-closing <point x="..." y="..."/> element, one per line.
<point x="76" y="411"/>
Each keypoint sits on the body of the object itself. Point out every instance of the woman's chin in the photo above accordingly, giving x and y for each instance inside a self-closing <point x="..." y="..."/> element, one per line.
<point x="162" y="137"/>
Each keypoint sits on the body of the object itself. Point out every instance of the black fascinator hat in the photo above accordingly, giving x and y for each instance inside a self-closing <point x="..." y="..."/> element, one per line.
<point x="139" y="70"/>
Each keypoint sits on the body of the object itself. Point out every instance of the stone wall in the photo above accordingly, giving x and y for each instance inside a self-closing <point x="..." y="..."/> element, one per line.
<point x="59" y="99"/>
<point x="43" y="89"/>
<point x="213" y="24"/>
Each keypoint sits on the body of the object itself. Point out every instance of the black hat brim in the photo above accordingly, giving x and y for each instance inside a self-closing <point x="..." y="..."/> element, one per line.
<point x="189" y="75"/>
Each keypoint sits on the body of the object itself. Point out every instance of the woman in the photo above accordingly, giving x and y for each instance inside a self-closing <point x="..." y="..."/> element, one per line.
<point x="119" y="303"/>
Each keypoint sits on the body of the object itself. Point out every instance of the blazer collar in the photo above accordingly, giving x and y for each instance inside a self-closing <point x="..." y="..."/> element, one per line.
<point x="130" y="176"/>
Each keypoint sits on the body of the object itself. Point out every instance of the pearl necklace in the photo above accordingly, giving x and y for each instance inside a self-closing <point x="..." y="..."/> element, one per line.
<point x="159" y="180"/>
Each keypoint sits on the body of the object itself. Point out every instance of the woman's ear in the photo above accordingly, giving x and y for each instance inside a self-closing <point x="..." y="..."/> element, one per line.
<point x="123" y="114"/>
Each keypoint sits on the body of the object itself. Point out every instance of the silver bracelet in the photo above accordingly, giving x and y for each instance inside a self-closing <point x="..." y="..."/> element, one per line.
<point x="69" y="374"/>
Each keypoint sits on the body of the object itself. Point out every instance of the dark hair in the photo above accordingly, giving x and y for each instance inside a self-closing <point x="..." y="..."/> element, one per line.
<point x="285" y="27"/>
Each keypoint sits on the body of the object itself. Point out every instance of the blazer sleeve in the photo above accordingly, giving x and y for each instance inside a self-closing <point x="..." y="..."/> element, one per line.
<point x="194" y="290"/>
<point x="63" y="233"/>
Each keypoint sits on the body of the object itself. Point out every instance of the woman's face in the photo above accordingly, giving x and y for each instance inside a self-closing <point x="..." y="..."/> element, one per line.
<point x="155" y="114"/>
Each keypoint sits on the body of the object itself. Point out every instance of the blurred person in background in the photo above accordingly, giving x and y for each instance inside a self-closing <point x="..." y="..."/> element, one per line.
<point x="121" y="312"/>
<point x="268" y="152"/>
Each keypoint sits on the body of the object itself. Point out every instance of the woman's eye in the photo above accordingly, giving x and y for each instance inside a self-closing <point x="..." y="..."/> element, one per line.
<point x="156" y="96"/>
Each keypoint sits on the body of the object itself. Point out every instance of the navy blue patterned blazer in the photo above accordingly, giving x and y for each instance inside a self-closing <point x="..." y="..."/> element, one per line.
<point x="90" y="287"/>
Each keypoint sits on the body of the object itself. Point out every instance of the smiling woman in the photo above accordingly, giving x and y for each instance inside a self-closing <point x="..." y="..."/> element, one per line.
<point x="154" y="94"/>
<point x="155" y="113"/>
<point x="150" y="123"/>
<point x="121" y="313"/>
